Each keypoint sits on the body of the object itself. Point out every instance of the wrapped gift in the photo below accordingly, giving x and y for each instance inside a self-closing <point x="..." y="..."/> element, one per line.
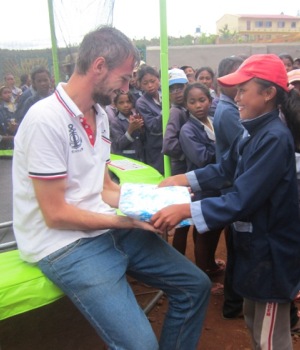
<point x="141" y="201"/>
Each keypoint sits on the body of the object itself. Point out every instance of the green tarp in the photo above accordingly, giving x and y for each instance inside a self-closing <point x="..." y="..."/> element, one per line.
<point x="23" y="286"/>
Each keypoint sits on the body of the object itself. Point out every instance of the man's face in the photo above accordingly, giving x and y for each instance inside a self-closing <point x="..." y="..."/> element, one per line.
<point x="112" y="81"/>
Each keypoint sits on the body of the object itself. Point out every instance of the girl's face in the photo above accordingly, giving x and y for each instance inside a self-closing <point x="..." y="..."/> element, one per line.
<point x="198" y="103"/>
<point x="288" y="64"/>
<point x="6" y="95"/>
<point x="252" y="100"/>
<point x="150" y="84"/>
<point x="124" y="105"/>
<point x="190" y="74"/>
<point x="205" y="78"/>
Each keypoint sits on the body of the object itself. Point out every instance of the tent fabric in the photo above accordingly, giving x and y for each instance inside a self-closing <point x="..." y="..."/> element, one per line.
<point x="6" y="152"/>
<point x="142" y="173"/>
<point x="23" y="286"/>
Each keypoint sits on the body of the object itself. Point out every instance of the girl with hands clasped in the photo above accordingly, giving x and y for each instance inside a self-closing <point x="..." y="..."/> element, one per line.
<point x="127" y="132"/>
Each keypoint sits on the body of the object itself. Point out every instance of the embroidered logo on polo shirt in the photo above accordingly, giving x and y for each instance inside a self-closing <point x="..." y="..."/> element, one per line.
<point x="75" y="139"/>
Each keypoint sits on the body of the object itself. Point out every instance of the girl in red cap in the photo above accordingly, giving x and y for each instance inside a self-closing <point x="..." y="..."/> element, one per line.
<point x="262" y="204"/>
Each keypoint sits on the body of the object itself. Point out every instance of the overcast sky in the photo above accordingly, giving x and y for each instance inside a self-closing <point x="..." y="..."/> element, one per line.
<point x="25" y="23"/>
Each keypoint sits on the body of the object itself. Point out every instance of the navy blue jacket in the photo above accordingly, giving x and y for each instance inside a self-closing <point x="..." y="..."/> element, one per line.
<point x="151" y="113"/>
<point x="198" y="148"/>
<point x="124" y="144"/>
<point x="226" y="124"/>
<point x="262" y="204"/>
<point x="171" y="145"/>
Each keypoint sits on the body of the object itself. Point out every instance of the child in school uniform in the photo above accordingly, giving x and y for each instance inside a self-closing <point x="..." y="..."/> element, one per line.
<point x="126" y="129"/>
<point x="262" y="204"/>
<point x="150" y="108"/>
<point x="198" y="143"/>
<point x="171" y="145"/>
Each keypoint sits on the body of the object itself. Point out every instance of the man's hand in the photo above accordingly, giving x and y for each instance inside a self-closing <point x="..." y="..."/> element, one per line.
<point x="145" y="226"/>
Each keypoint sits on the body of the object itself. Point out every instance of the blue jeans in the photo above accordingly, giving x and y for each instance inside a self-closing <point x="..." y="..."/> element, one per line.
<point x="92" y="272"/>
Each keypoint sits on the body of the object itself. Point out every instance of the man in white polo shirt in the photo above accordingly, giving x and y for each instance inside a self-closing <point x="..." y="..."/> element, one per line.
<point x="64" y="216"/>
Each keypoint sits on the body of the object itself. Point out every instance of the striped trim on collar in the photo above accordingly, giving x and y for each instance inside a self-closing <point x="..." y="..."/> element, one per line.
<point x="64" y="104"/>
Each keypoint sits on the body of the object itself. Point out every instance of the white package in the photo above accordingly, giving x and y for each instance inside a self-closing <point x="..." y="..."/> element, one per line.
<point x="141" y="201"/>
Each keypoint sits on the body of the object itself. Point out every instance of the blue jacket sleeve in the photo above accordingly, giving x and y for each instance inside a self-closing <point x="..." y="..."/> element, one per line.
<point x="151" y="114"/>
<point x="253" y="186"/>
<point x="196" y="147"/>
<point x="171" y="144"/>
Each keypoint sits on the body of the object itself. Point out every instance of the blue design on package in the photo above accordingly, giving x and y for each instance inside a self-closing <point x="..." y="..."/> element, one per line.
<point x="141" y="201"/>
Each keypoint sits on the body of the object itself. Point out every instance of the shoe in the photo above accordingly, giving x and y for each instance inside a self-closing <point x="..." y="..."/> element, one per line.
<point x="233" y="314"/>
<point x="221" y="266"/>
<point x="233" y="317"/>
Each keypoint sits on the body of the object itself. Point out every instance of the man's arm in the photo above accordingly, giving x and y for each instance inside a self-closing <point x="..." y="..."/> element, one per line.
<point x="111" y="191"/>
<point x="61" y="215"/>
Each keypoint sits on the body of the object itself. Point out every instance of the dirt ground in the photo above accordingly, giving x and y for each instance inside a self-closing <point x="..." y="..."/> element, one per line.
<point x="59" y="326"/>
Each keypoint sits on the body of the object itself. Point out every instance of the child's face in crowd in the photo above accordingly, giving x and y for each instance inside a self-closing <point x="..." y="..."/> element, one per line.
<point x="288" y="64"/>
<point x="10" y="81"/>
<point x="124" y="105"/>
<point x="205" y="78"/>
<point x="252" y="100"/>
<point x="190" y="74"/>
<point x="296" y="85"/>
<point x="133" y="80"/>
<point x="150" y="84"/>
<point x="6" y="95"/>
<point x="42" y="83"/>
<point x="176" y="93"/>
<point x="198" y="103"/>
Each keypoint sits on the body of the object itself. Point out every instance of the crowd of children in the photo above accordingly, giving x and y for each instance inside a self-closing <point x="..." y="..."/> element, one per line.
<point x="15" y="101"/>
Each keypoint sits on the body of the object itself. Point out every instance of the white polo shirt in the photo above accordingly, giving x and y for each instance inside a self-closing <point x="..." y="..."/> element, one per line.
<point x="54" y="141"/>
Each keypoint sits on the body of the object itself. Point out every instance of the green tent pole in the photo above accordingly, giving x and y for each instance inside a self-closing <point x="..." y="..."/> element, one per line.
<point x="164" y="65"/>
<point x="54" y="43"/>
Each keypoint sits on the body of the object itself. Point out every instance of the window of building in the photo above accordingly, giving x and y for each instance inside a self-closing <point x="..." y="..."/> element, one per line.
<point x="280" y="24"/>
<point x="268" y="24"/>
<point x="259" y="24"/>
<point x="293" y="25"/>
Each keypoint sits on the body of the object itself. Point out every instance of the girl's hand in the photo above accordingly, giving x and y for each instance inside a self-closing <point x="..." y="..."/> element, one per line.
<point x="169" y="217"/>
<point x="12" y="127"/>
<point x="176" y="180"/>
<point x="136" y="122"/>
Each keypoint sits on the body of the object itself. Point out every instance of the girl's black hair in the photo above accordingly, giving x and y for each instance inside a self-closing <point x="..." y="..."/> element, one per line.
<point x="128" y="93"/>
<point x="291" y="111"/>
<point x="228" y="64"/>
<point x="208" y="69"/>
<point x="199" y="86"/>
<point x="289" y="104"/>
<point x="286" y="56"/>
<point x="146" y="70"/>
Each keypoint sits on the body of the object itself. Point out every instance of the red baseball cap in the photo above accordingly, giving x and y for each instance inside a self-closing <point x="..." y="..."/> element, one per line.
<point x="263" y="66"/>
